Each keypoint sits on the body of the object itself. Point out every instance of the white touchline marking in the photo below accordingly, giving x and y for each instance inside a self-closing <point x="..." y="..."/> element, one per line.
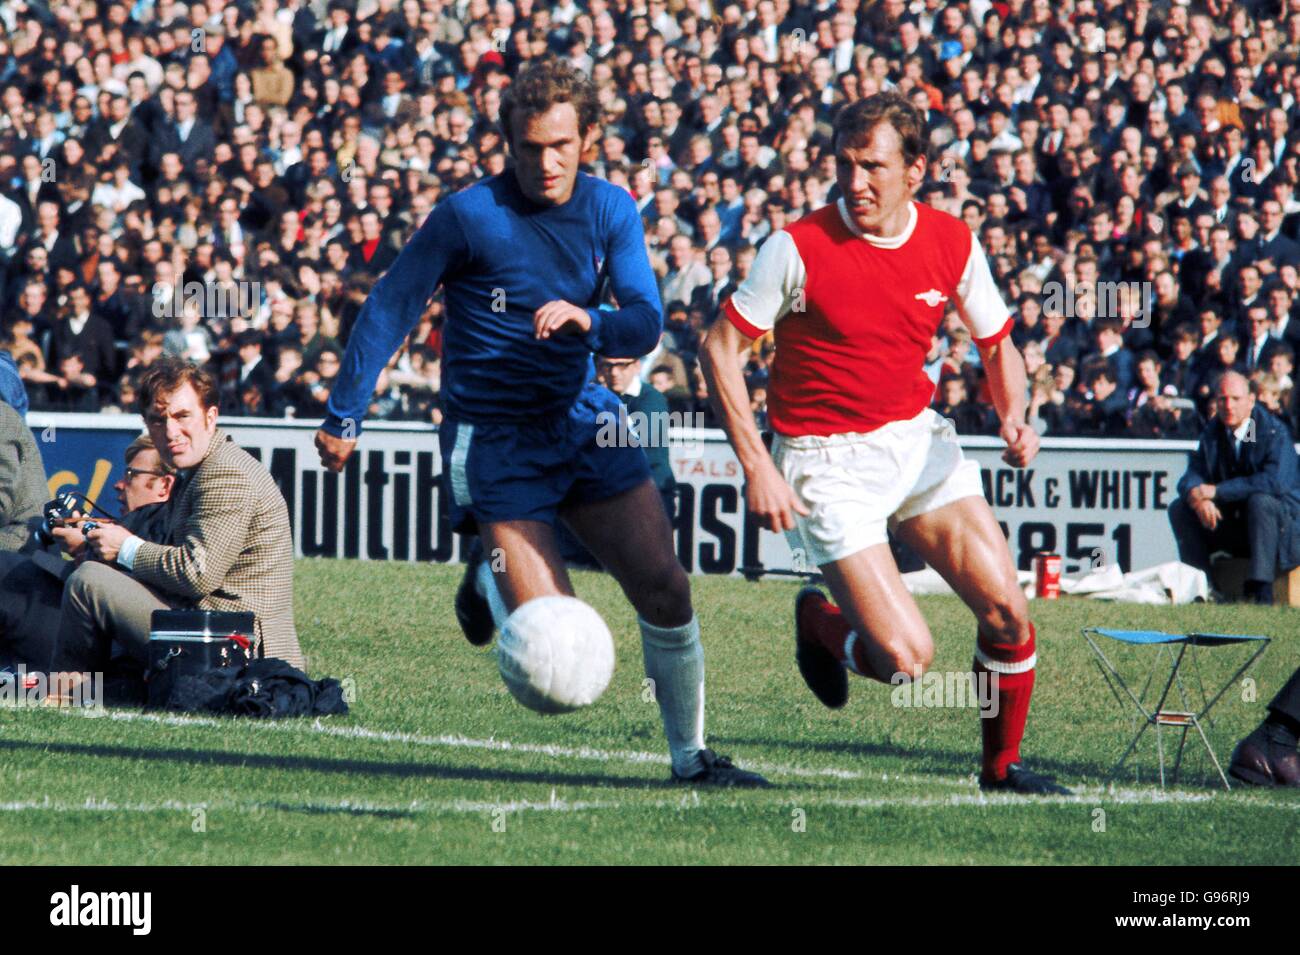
<point x="545" y="749"/>
<point x="690" y="800"/>
<point x="1108" y="792"/>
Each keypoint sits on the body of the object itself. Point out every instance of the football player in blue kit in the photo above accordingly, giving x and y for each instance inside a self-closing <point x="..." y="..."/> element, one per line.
<point x="523" y="257"/>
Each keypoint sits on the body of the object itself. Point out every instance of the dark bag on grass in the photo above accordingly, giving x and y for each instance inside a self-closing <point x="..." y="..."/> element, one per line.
<point x="269" y="689"/>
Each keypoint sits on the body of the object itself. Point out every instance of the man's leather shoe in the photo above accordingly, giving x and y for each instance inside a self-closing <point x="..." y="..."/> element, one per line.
<point x="1259" y="592"/>
<point x="1261" y="761"/>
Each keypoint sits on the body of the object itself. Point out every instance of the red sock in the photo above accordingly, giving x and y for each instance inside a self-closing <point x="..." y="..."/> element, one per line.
<point x="828" y="627"/>
<point x="1002" y="733"/>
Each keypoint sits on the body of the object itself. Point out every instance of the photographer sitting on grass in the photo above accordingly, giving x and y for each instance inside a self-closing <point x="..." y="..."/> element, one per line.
<point x="31" y="587"/>
<point x="225" y="541"/>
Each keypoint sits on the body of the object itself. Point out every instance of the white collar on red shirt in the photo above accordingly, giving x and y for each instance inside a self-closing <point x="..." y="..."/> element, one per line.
<point x="880" y="242"/>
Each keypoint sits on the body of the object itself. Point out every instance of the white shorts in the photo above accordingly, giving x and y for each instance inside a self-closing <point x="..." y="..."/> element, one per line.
<point x="858" y="486"/>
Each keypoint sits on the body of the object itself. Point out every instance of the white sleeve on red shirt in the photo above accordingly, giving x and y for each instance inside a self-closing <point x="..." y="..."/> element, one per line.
<point x="979" y="301"/>
<point x="776" y="280"/>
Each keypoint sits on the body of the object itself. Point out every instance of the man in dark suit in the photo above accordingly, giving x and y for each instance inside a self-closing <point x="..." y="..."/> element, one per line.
<point x="32" y="187"/>
<point x="1268" y="757"/>
<point x="1259" y="342"/>
<point x="1280" y="309"/>
<point x="119" y="132"/>
<point x="302" y="174"/>
<point x="120" y="309"/>
<point x="712" y="294"/>
<point x="86" y="335"/>
<point x="1218" y="257"/>
<point x="188" y="136"/>
<point x="1058" y="343"/>
<point x="1211" y="327"/>
<point x="952" y="402"/>
<point x="255" y="375"/>
<point x="1248" y="291"/>
<point x="1221" y="208"/>
<point x="1189" y="200"/>
<point x="373" y="255"/>
<point x="1271" y="243"/>
<point x="1240" y="491"/>
<point x="1104" y="412"/>
<point x="58" y="243"/>
<point x="1181" y="367"/>
<point x="337" y="39"/>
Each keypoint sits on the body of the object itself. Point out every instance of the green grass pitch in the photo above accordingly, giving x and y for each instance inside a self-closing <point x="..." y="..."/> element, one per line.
<point x="438" y="764"/>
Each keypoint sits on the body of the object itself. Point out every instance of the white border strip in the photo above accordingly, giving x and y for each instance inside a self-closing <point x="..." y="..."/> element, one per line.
<point x="132" y="422"/>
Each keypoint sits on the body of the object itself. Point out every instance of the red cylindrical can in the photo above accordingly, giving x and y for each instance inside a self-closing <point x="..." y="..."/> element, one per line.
<point x="1047" y="576"/>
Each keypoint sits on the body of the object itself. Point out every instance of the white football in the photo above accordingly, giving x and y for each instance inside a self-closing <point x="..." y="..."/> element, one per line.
<point x="555" y="654"/>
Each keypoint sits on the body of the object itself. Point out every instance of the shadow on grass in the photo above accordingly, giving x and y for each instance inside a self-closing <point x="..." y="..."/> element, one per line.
<point x="924" y="758"/>
<point x="1197" y="773"/>
<point x="309" y="810"/>
<point x="207" y="757"/>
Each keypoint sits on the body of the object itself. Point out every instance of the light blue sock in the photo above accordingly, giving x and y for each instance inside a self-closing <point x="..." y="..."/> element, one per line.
<point x="674" y="661"/>
<point x="486" y="584"/>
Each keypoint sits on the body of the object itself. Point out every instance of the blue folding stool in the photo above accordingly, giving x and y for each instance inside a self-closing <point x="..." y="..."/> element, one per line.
<point x="1158" y="716"/>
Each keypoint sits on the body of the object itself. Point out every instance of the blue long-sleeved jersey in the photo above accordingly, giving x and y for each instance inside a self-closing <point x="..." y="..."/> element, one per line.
<point x="500" y="257"/>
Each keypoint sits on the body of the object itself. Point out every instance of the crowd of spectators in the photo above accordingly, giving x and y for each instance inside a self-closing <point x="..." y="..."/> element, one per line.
<point x="226" y="180"/>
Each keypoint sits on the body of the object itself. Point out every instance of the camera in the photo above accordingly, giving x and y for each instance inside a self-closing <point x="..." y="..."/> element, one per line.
<point x="57" y="513"/>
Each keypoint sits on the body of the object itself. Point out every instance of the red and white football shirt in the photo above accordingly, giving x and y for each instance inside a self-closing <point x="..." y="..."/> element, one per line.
<point x="854" y="315"/>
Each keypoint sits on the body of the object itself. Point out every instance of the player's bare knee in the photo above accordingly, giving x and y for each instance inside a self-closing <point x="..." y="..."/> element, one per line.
<point x="664" y="595"/>
<point x="911" y="659"/>
<point x="1006" y="619"/>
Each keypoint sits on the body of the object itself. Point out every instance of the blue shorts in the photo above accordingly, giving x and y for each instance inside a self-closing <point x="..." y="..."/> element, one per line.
<point x="525" y="471"/>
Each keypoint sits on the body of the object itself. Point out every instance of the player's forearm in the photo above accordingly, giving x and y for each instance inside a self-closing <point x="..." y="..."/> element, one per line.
<point x="628" y="332"/>
<point x="380" y="330"/>
<point x="1007" y="380"/>
<point x="191" y="569"/>
<point x="729" y="396"/>
<point x="391" y="311"/>
<point x="633" y="329"/>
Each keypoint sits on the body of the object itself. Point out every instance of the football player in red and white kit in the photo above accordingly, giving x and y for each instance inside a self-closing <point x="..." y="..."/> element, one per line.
<point x="854" y="292"/>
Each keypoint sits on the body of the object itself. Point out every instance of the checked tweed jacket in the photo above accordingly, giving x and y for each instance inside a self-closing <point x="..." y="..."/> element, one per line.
<point x="229" y="546"/>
